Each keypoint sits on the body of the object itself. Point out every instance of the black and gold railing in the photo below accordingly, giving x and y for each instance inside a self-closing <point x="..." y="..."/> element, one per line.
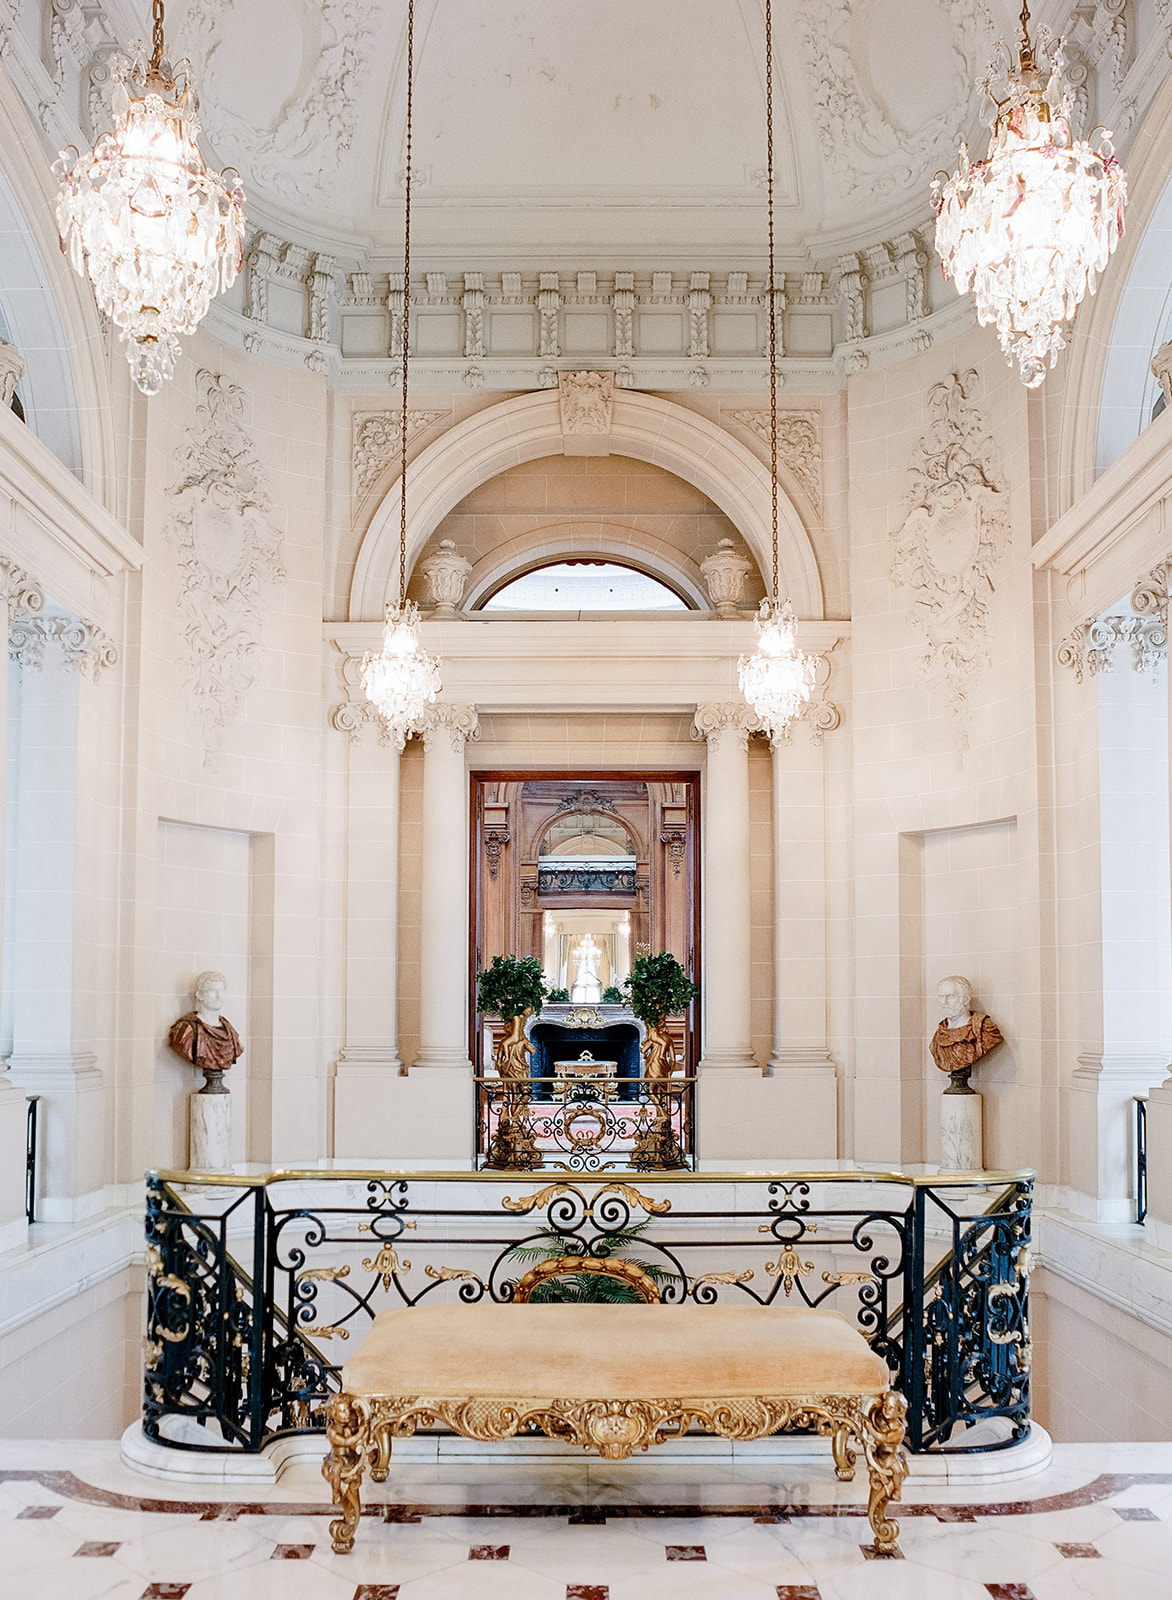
<point x="260" y="1286"/>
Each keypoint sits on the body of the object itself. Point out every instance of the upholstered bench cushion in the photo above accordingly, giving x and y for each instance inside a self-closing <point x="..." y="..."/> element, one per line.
<point x="623" y="1352"/>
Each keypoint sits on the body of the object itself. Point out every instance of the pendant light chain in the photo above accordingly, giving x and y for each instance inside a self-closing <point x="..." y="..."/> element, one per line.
<point x="157" y="46"/>
<point x="402" y="679"/>
<point x="772" y="287"/>
<point x="406" y="312"/>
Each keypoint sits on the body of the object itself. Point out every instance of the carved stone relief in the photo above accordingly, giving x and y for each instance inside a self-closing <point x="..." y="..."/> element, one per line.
<point x="1095" y="645"/>
<point x="867" y="153"/>
<point x="228" y="555"/>
<point x="1162" y="370"/>
<point x="314" y="127"/>
<point x="459" y="722"/>
<point x="585" y="401"/>
<point x="719" y="719"/>
<point x="12" y="370"/>
<point x="378" y="440"/>
<point x="955" y="531"/>
<point x="799" y="443"/>
<point x="87" y="649"/>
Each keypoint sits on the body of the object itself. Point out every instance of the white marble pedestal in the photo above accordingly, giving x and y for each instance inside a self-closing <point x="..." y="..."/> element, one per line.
<point x="962" y="1144"/>
<point x="211" y="1132"/>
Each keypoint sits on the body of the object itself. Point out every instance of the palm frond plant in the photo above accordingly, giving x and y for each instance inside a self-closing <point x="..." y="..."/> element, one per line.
<point x="589" y="1288"/>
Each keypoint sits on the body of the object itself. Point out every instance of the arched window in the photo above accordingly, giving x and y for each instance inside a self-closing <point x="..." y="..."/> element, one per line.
<point x="585" y="585"/>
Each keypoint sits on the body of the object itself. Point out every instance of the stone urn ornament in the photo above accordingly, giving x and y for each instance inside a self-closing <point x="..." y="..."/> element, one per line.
<point x="724" y="574"/>
<point x="209" y="1043"/>
<point x="446" y="574"/>
<point x="963" y="1038"/>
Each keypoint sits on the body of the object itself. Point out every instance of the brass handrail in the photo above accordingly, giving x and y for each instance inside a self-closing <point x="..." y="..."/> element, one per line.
<point x="259" y="1180"/>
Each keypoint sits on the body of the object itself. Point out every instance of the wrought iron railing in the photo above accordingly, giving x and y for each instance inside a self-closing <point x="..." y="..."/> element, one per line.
<point x="255" y="1283"/>
<point x="1141" y="1158"/>
<point x="30" y="1158"/>
<point x="586" y="1124"/>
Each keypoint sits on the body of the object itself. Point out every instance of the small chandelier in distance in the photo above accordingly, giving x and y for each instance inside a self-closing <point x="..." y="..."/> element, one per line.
<point x="777" y="679"/>
<point x="1030" y="228"/>
<point x="158" y="232"/>
<point x="402" y="679"/>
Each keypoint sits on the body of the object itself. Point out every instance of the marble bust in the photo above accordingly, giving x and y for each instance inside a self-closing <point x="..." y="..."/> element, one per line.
<point x="203" y="1037"/>
<point x="963" y="1036"/>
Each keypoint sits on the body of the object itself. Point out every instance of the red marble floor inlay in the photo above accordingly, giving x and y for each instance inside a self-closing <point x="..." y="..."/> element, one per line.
<point x="37" y="1513"/>
<point x="686" y="1552"/>
<point x="165" y="1591"/>
<point x="588" y="1517"/>
<point x="489" y="1552"/>
<point x="1135" y="1513"/>
<point x="96" y="1547"/>
<point x="376" y="1591"/>
<point x="798" y="1591"/>
<point x="872" y="1552"/>
<point x="1075" y="1552"/>
<point x="587" y="1591"/>
<point x="292" y="1552"/>
<point x="1010" y="1591"/>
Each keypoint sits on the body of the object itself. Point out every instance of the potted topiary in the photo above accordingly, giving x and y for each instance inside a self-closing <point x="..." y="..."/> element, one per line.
<point x="612" y="995"/>
<point x="558" y="997"/>
<point x="513" y="987"/>
<point x="657" y="986"/>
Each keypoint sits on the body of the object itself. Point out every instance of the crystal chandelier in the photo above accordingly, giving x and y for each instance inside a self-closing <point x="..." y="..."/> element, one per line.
<point x="159" y="233"/>
<point x="402" y="679"/>
<point x="1030" y="228"/>
<point x="777" y="679"/>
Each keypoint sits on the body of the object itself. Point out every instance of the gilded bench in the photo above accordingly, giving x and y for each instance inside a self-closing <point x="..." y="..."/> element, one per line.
<point x="615" y="1379"/>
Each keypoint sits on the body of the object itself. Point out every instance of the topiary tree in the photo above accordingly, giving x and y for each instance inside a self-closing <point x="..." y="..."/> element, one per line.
<point x="612" y="995"/>
<point x="559" y="997"/>
<point x="657" y="986"/>
<point x="511" y="985"/>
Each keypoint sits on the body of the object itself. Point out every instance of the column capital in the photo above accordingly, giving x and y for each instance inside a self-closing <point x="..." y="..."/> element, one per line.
<point x="460" y="722"/>
<point x="714" y="718"/>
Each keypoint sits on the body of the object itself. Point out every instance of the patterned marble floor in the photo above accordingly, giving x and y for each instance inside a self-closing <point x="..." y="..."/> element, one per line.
<point x="75" y="1524"/>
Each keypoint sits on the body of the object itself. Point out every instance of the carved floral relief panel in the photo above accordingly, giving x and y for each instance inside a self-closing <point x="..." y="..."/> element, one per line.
<point x="955" y="531"/>
<point x="228" y="555"/>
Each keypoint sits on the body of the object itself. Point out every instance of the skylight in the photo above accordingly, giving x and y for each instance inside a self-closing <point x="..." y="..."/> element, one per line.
<point x="585" y="586"/>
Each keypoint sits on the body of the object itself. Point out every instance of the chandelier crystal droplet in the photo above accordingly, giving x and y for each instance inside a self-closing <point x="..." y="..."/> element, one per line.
<point x="402" y="679"/>
<point x="777" y="679"/>
<point x="1030" y="228"/>
<point x="158" y="233"/>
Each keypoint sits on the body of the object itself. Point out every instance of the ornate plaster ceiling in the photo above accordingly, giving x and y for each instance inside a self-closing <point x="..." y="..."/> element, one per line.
<point x="576" y="127"/>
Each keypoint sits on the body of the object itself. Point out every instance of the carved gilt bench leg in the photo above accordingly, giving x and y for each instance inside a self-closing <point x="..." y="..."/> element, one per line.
<point x="882" y="1423"/>
<point x="347" y="1429"/>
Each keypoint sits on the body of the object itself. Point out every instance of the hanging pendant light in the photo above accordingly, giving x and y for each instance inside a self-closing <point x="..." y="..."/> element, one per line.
<point x="157" y="232"/>
<point x="1030" y="228"/>
<point x="777" y="679"/>
<point x="402" y="679"/>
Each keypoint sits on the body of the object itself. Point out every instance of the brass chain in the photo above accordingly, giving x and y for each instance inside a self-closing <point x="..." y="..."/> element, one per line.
<point x="157" y="46"/>
<point x="406" y="312"/>
<point x="772" y="286"/>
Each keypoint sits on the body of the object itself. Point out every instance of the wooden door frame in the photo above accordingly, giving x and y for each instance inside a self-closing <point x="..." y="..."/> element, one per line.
<point x="478" y="778"/>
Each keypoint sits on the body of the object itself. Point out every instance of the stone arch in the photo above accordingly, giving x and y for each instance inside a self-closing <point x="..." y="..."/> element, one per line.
<point x="53" y="319"/>
<point x="1109" y="391"/>
<point x="644" y="427"/>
